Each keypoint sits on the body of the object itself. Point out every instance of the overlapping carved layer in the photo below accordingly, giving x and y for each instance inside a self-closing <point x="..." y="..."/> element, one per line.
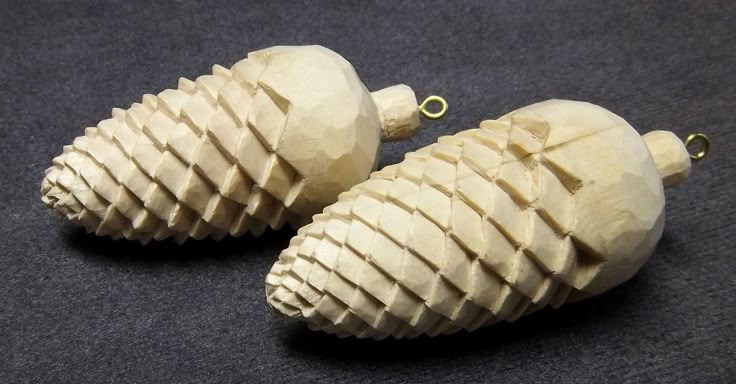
<point x="195" y="161"/>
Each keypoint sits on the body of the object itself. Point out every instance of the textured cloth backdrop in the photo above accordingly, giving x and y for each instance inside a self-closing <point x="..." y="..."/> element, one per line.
<point x="76" y="308"/>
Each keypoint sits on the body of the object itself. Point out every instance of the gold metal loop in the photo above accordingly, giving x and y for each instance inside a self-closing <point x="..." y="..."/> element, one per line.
<point x="433" y="115"/>
<point x="704" y="145"/>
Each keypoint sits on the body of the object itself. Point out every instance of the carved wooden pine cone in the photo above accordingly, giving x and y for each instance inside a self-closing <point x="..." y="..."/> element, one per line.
<point x="552" y="203"/>
<point x="270" y="141"/>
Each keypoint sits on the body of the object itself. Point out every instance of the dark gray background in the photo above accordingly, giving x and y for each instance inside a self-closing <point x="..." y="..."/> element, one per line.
<point x="76" y="308"/>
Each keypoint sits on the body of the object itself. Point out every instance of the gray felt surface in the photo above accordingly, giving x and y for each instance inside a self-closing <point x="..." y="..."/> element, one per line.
<point x="76" y="308"/>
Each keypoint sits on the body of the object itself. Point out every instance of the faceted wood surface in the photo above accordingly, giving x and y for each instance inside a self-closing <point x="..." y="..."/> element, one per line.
<point x="270" y="141"/>
<point x="551" y="203"/>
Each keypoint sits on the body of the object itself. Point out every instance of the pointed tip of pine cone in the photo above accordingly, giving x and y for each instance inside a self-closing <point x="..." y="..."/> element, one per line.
<point x="56" y="197"/>
<point x="64" y="191"/>
<point x="278" y="295"/>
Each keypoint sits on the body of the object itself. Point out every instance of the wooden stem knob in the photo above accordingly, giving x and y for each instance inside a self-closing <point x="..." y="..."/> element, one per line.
<point x="670" y="155"/>
<point x="399" y="112"/>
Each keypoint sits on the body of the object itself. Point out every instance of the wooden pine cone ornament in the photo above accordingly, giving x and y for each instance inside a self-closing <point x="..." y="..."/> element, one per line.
<point x="272" y="140"/>
<point x="552" y="203"/>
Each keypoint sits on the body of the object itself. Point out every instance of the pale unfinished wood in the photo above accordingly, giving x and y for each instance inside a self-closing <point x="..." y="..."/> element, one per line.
<point x="272" y="140"/>
<point x="670" y="155"/>
<point x="551" y="203"/>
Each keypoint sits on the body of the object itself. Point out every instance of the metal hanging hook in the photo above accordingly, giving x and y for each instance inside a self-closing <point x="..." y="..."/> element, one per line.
<point x="704" y="145"/>
<point x="433" y="115"/>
